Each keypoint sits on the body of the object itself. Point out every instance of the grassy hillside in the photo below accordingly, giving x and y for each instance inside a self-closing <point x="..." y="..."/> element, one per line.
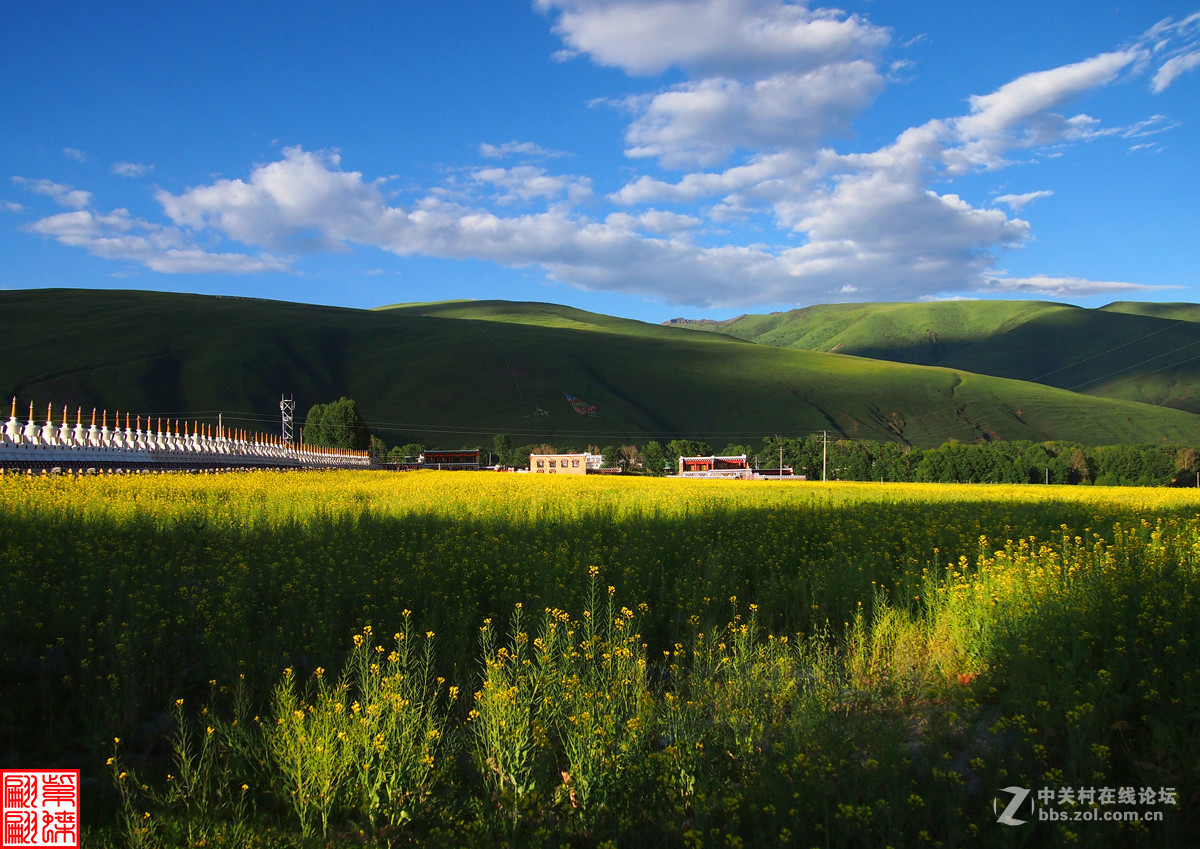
<point x="456" y="382"/>
<point x="1148" y="353"/>
<point x="534" y="314"/>
<point x="921" y="334"/>
<point x="1174" y="311"/>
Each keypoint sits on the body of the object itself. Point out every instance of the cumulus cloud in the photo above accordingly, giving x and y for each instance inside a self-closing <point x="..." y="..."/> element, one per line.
<point x="767" y="210"/>
<point x="301" y="203"/>
<point x="119" y="236"/>
<point x="763" y="74"/>
<point x="702" y="123"/>
<point x="131" y="169"/>
<point x="306" y="200"/>
<point x="884" y="233"/>
<point x="60" y="193"/>
<point x="762" y="170"/>
<point x="731" y="38"/>
<point x="74" y="154"/>
<point x="653" y="221"/>
<point x="526" y="182"/>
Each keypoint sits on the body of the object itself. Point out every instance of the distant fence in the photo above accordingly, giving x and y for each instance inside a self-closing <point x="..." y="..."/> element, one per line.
<point x="32" y="446"/>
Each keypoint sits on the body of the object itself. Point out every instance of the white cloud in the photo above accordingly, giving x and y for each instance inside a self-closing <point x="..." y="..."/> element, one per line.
<point x="1020" y="114"/>
<point x="306" y="197"/>
<point x="302" y="203"/>
<point x="704" y="122"/>
<point x="10" y="206"/>
<point x="763" y="74"/>
<point x="526" y="182"/>
<point x="131" y="169"/>
<point x="1174" y="46"/>
<point x="119" y="236"/>
<point x="1151" y="126"/>
<point x="767" y="84"/>
<point x="653" y="221"/>
<point x="1172" y="68"/>
<point x="1063" y="287"/>
<point x="730" y="38"/>
<point x="1017" y="202"/>
<point x="515" y="148"/>
<point x="60" y="193"/>
<point x="762" y="170"/>
<point x="74" y="154"/>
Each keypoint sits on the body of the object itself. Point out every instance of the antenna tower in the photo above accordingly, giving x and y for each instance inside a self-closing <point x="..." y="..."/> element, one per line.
<point x="287" y="407"/>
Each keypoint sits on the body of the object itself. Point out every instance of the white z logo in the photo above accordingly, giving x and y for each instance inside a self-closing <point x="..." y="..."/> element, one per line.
<point x="1019" y="795"/>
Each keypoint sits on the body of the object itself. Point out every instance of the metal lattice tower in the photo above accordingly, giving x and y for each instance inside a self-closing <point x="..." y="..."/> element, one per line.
<point x="287" y="406"/>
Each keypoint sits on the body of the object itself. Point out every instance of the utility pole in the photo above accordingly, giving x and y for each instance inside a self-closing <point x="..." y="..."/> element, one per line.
<point x="824" y="452"/>
<point x="287" y="406"/>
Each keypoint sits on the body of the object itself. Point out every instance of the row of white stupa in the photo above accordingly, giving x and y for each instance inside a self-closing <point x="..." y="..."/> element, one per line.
<point x="197" y="445"/>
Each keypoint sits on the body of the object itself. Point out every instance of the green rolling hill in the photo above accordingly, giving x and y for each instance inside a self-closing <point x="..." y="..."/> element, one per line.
<point x="535" y="315"/>
<point x="1148" y="353"/>
<point x="1176" y="311"/>
<point x="454" y="374"/>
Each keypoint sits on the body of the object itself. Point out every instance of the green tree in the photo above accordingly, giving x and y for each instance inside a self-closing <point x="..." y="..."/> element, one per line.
<point x="520" y="455"/>
<point x="336" y="425"/>
<point x="677" y="448"/>
<point x="410" y="452"/>
<point x="313" y="430"/>
<point x="653" y="458"/>
<point x="895" y="462"/>
<point x="396" y="454"/>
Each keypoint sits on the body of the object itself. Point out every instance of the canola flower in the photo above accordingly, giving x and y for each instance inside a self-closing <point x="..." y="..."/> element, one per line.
<point x="857" y="661"/>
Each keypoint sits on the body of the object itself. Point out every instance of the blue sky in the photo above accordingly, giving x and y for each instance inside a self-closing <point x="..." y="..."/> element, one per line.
<point x="648" y="159"/>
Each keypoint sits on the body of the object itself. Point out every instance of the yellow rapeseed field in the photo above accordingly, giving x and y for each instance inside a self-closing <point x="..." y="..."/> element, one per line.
<point x="591" y="660"/>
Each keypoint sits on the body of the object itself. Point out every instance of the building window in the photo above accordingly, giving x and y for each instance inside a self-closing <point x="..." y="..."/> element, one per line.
<point x="552" y="462"/>
<point x="541" y="464"/>
<point x="574" y="464"/>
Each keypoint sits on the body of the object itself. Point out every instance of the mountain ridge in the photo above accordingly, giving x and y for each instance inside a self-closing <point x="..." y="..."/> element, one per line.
<point x="456" y="374"/>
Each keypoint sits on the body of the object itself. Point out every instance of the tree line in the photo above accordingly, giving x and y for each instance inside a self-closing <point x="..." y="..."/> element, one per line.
<point x="339" y="424"/>
<point x="815" y="457"/>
